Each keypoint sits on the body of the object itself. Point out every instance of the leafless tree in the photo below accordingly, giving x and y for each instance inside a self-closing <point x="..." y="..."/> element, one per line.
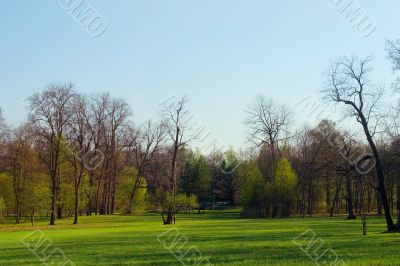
<point x="78" y="145"/>
<point x="175" y="117"/>
<point x="20" y="157"/>
<point x="50" y="114"/>
<point x="348" y="84"/>
<point x="393" y="135"/>
<point x="116" y="122"/>
<point x="3" y="130"/>
<point x="97" y="116"/>
<point x="144" y="143"/>
<point x="269" y="125"/>
<point x="393" y="50"/>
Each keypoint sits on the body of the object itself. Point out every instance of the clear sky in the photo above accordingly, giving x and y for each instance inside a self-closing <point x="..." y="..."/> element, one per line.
<point x="221" y="54"/>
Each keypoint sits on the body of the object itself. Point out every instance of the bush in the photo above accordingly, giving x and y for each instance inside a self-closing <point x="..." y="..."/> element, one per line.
<point x="186" y="203"/>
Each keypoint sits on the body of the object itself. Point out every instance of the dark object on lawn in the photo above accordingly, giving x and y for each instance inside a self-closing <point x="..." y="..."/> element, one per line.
<point x="170" y="218"/>
<point x="364" y="223"/>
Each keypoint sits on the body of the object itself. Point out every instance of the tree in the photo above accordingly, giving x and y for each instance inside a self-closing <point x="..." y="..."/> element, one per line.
<point x="393" y="50"/>
<point x="175" y="117"/>
<point x="254" y="195"/>
<point x="145" y="142"/>
<point x="269" y="125"/>
<point x="3" y="129"/>
<point x="129" y="177"/>
<point x="78" y="145"/>
<point x="50" y="113"/>
<point x="286" y="182"/>
<point x="97" y="115"/>
<point x="115" y="125"/>
<point x="22" y="164"/>
<point x="348" y="84"/>
<point x="196" y="178"/>
<point x="305" y="157"/>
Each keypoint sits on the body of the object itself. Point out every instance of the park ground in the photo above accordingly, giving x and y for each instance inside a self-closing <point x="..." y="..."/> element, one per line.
<point x="222" y="238"/>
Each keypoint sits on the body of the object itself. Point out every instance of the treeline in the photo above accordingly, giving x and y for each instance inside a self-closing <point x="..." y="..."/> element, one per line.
<point x="84" y="155"/>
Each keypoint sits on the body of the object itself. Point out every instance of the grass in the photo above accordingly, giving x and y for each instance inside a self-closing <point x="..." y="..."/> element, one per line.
<point x="223" y="238"/>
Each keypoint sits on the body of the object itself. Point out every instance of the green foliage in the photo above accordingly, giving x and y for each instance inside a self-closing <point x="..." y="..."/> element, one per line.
<point x="285" y="184"/>
<point x="230" y="161"/>
<point x="6" y="189"/>
<point x="186" y="203"/>
<point x="197" y="176"/>
<point x="263" y="198"/>
<point x="128" y="179"/>
<point x="37" y="196"/>
<point x="254" y="192"/>
<point x="285" y="177"/>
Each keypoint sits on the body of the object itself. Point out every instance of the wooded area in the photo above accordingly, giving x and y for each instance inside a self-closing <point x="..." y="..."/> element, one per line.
<point x="80" y="154"/>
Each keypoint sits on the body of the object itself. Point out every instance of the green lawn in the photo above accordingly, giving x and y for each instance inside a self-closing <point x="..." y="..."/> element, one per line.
<point x="223" y="238"/>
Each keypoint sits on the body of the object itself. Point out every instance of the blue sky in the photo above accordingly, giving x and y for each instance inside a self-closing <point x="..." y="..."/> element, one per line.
<point x="220" y="54"/>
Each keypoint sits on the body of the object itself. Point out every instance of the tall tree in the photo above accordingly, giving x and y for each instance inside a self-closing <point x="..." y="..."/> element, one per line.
<point x="22" y="163"/>
<point x="50" y="113"/>
<point x="144" y="143"/>
<point x="97" y="115"/>
<point x="348" y="84"/>
<point x="269" y="125"/>
<point x="175" y="116"/>
<point x="116" y="122"/>
<point x="78" y="146"/>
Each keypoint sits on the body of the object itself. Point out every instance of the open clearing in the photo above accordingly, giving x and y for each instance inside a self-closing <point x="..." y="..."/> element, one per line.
<point x="223" y="238"/>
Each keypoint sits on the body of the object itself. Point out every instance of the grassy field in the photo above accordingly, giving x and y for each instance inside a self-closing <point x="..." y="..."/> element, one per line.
<point x="223" y="238"/>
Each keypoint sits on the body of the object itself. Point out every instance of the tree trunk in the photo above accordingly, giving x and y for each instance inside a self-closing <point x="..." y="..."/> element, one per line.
<point x="76" y="209"/>
<point x="53" y="199"/>
<point x="17" y="212"/>
<point x="335" y="199"/>
<point x="59" y="211"/>
<point x="349" y="198"/>
<point x="33" y="217"/>
<point x="379" y="173"/>
<point x="378" y="203"/>
<point x="398" y="204"/>
<point x="170" y="218"/>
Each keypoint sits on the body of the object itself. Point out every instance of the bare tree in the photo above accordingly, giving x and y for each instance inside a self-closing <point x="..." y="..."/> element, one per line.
<point x="144" y="142"/>
<point x="21" y="164"/>
<point x="79" y="143"/>
<point x="50" y="114"/>
<point x="269" y="125"/>
<point x="393" y="134"/>
<point x="393" y="50"/>
<point x="348" y="83"/>
<point x="116" y="122"/>
<point x="108" y="120"/>
<point x="97" y="115"/>
<point x="175" y="115"/>
<point x="4" y="130"/>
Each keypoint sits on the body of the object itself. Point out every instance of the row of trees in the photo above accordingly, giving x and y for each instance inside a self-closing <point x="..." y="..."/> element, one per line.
<point x="82" y="154"/>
